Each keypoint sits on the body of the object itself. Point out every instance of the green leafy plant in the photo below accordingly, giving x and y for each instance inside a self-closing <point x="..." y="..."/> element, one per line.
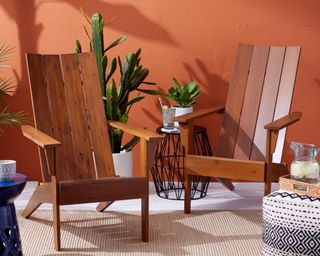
<point x="118" y="98"/>
<point x="7" y="88"/>
<point x="184" y="95"/>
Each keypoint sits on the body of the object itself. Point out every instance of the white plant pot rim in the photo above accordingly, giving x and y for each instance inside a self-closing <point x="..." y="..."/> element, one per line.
<point x="123" y="163"/>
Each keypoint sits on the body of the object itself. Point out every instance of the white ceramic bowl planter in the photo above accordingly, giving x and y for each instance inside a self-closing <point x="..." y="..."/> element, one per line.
<point x="123" y="163"/>
<point x="7" y="170"/>
<point x="182" y="111"/>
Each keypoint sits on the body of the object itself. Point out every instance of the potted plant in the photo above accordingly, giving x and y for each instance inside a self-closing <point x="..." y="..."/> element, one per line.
<point x="7" y="117"/>
<point x="118" y="97"/>
<point x="184" y="95"/>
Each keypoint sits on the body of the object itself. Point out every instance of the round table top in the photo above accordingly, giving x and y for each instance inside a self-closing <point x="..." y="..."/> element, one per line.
<point x="9" y="190"/>
<point x="17" y="180"/>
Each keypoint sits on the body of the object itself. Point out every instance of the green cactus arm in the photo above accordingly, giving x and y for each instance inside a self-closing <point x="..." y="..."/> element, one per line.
<point x="97" y="44"/>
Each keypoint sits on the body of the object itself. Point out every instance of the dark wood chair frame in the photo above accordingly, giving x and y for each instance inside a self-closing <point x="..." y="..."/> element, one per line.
<point x="100" y="185"/>
<point x="226" y="166"/>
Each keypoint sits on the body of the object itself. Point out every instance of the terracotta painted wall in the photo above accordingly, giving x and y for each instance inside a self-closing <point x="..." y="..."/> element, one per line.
<point x="183" y="38"/>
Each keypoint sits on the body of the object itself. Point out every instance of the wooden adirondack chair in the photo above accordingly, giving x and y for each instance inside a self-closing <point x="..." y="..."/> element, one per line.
<point x="72" y="135"/>
<point x="255" y="117"/>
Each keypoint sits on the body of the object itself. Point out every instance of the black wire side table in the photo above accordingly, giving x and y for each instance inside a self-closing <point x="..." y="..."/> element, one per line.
<point x="168" y="169"/>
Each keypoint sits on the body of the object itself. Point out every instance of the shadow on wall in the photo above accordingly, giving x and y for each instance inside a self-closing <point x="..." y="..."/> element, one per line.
<point x="24" y="13"/>
<point x="128" y="19"/>
<point x="210" y="83"/>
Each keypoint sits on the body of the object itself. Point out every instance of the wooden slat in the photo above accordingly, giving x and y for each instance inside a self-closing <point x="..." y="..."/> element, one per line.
<point x="199" y="113"/>
<point x="251" y="103"/>
<point x="136" y="131"/>
<point x="119" y="188"/>
<point x="284" y="99"/>
<point x="66" y="161"/>
<point x="234" y="103"/>
<point x="284" y="121"/>
<point x="78" y="116"/>
<point x="97" y="119"/>
<point x="226" y="168"/>
<point x="40" y="104"/>
<point x="268" y="101"/>
<point x="38" y="137"/>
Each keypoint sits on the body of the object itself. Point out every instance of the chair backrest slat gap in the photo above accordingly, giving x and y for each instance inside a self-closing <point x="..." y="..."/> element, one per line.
<point x="66" y="161"/>
<point x="268" y="101"/>
<point x="96" y="114"/>
<point x="252" y="97"/>
<point x="237" y="88"/>
<point x="285" y="94"/>
<point x="78" y="116"/>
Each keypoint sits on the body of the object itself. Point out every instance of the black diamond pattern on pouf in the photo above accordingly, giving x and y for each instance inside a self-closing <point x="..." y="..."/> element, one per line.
<point x="291" y="225"/>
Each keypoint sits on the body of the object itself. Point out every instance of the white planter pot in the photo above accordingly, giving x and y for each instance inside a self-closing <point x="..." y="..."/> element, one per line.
<point x="123" y="163"/>
<point x="182" y="111"/>
<point x="7" y="170"/>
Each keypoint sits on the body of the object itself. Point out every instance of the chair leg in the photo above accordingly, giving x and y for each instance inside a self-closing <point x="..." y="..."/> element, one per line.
<point x="42" y="194"/>
<point x="56" y="213"/>
<point x="103" y="205"/>
<point x="145" y="218"/>
<point x="267" y="187"/>
<point x="227" y="183"/>
<point x="187" y="194"/>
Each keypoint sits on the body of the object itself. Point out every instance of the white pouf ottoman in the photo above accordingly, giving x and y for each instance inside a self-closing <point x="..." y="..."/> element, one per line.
<point x="291" y="224"/>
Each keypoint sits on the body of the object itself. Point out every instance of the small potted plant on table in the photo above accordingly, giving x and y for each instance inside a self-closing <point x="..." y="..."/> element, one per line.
<point x="185" y="96"/>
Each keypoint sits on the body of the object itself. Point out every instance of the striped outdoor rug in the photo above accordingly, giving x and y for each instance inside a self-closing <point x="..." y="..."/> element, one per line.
<point x="171" y="233"/>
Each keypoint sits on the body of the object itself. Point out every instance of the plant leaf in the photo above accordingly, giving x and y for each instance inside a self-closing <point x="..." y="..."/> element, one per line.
<point x="112" y="69"/>
<point x="115" y="43"/>
<point x="134" y="100"/>
<point x="152" y="92"/>
<point x="128" y="146"/>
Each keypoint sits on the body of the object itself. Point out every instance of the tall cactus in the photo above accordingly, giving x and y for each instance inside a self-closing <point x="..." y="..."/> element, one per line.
<point x="117" y="100"/>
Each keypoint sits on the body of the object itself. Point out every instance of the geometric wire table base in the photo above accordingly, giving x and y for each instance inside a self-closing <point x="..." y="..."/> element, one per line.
<point x="168" y="169"/>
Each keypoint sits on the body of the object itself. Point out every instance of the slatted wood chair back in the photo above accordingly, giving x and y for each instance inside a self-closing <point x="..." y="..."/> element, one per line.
<point x="260" y="91"/>
<point x="67" y="105"/>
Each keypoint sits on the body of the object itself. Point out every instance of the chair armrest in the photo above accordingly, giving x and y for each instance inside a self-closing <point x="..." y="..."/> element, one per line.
<point x="284" y="121"/>
<point x="38" y="137"/>
<point x="199" y="113"/>
<point x="136" y="131"/>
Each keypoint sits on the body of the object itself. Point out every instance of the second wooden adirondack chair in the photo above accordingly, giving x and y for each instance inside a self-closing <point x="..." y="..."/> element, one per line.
<point x="72" y="135"/>
<point x="255" y="117"/>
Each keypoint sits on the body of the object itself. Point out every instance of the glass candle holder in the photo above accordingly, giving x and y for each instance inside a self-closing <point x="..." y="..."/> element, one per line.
<point x="168" y="115"/>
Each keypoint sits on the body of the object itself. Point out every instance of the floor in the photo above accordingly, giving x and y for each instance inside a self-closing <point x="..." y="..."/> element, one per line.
<point x="245" y="196"/>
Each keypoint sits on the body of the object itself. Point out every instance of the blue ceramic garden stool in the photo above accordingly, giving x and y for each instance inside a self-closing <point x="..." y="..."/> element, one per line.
<point x="10" y="243"/>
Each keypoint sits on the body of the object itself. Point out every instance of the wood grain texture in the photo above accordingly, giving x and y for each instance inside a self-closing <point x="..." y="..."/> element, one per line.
<point x="66" y="159"/>
<point x="40" y="103"/>
<point x="199" y="113"/>
<point x="38" y="137"/>
<point x="251" y="102"/>
<point x="96" y="113"/>
<point x="226" y="168"/>
<point x="229" y="128"/>
<point x="78" y="117"/>
<point x="289" y="72"/>
<point x="136" y="131"/>
<point x="284" y="121"/>
<point x="71" y="93"/>
<point x="268" y="101"/>
<point x="42" y="194"/>
<point x="108" y="189"/>
<point x="56" y="212"/>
